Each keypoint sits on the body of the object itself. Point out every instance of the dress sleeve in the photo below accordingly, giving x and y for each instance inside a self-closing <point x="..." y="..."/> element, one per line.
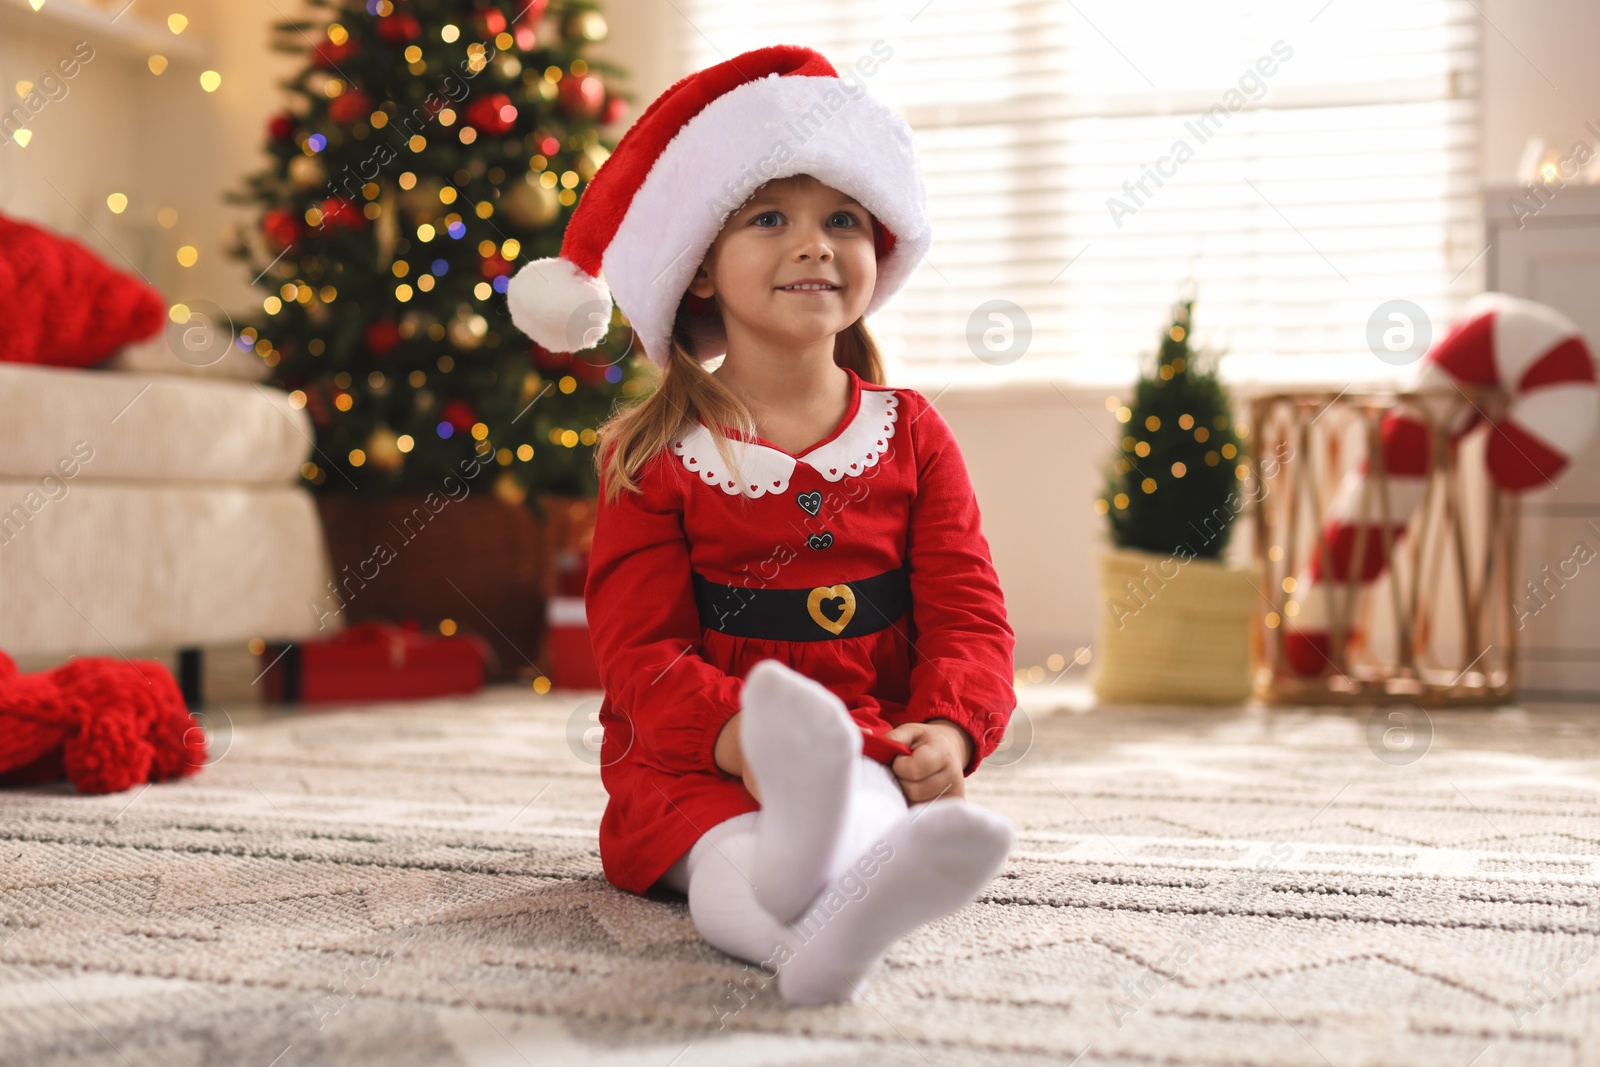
<point x="639" y="599"/>
<point x="964" y="662"/>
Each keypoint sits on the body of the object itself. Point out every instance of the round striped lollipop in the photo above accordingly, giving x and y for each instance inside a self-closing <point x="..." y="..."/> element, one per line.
<point x="1532" y="352"/>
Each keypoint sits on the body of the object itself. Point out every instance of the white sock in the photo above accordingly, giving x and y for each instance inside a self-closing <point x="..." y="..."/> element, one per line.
<point x="802" y="747"/>
<point x="930" y="864"/>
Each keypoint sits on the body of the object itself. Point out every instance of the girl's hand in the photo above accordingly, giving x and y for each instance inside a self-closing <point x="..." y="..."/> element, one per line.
<point x="730" y="756"/>
<point x="939" y="753"/>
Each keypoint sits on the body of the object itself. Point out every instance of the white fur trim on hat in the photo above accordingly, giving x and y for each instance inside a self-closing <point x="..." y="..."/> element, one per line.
<point x="762" y="130"/>
<point x="560" y="306"/>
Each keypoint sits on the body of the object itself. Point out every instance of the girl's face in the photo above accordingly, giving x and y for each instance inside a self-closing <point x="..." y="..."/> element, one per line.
<point x="791" y="230"/>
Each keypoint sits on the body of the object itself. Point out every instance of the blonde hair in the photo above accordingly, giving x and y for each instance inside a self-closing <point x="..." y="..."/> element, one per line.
<point x="685" y="390"/>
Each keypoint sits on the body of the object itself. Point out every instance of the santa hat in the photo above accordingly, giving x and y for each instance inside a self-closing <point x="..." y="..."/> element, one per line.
<point x="697" y="153"/>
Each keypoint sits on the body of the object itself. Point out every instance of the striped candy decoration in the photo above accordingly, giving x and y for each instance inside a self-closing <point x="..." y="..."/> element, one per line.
<point x="1531" y="351"/>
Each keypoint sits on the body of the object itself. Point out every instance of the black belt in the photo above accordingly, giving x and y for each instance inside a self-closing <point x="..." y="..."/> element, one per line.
<point x="823" y="613"/>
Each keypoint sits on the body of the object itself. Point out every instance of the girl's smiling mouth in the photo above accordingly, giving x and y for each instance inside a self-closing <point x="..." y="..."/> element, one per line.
<point x="810" y="285"/>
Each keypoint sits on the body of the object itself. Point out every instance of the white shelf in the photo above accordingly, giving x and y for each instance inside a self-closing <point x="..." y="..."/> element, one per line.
<point x="126" y="32"/>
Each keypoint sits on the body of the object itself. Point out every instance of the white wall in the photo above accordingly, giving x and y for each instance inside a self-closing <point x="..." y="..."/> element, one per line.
<point x="1034" y="452"/>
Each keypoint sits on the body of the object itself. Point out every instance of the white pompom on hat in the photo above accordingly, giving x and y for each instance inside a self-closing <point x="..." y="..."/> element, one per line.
<point x="652" y="210"/>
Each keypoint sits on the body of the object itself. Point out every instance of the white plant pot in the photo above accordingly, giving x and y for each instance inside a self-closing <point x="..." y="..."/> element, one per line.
<point x="1172" y="631"/>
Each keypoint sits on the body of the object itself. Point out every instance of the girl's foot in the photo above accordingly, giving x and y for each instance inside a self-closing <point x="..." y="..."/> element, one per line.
<point x="931" y="863"/>
<point x="802" y="747"/>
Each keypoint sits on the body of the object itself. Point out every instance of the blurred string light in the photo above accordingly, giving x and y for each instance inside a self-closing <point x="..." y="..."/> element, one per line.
<point x="117" y="202"/>
<point x="157" y="64"/>
<point x="177" y="23"/>
<point x="210" y="80"/>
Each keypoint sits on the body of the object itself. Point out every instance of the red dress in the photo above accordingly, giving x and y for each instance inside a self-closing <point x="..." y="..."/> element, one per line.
<point x="887" y="488"/>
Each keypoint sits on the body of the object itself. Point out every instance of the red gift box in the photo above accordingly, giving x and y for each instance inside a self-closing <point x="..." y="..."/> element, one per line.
<point x="570" y="651"/>
<point x="375" y="661"/>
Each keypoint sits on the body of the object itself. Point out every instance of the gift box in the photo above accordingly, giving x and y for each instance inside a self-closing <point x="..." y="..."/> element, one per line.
<point x="568" y="648"/>
<point x="375" y="661"/>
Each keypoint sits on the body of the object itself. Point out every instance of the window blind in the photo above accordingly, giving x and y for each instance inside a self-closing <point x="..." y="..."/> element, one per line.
<point x="1291" y="166"/>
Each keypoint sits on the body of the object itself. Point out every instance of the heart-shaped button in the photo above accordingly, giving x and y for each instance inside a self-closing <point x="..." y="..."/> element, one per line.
<point x="811" y="502"/>
<point x="820" y="541"/>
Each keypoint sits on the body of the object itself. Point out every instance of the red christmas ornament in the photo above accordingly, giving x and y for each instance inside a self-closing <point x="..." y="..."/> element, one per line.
<point x="459" y="414"/>
<point x="490" y="23"/>
<point x="317" y="404"/>
<point x="281" y="227"/>
<point x="616" y="110"/>
<point x="494" y="266"/>
<point x="382" y="337"/>
<point x="589" y="371"/>
<point x="547" y="360"/>
<point x="281" y="126"/>
<point x="399" y="29"/>
<point x="337" y="211"/>
<point x="350" y="108"/>
<point x="582" y="96"/>
<point x="328" y="54"/>
<point x="493" y="115"/>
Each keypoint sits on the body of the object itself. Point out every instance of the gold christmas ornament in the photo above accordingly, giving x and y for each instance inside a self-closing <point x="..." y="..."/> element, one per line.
<point x="307" y="172"/>
<point x="509" y="489"/>
<point x="421" y="201"/>
<point x="387" y="229"/>
<point x="529" y="204"/>
<point x="590" y="25"/>
<point x="467" y="329"/>
<point x="383" y="449"/>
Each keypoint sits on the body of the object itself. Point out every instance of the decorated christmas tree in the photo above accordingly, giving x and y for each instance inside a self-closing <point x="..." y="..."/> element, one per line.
<point x="428" y="148"/>
<point x="1172" y="488"/>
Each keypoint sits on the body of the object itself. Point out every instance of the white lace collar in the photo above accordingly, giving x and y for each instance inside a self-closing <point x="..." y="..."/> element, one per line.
<point x="763" y="469"/>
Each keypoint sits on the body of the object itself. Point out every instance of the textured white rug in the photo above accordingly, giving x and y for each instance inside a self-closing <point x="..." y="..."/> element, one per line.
<point x="419" y="884"/>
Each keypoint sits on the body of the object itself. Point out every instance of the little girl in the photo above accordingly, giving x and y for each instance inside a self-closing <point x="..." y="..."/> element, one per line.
<point x="798" y="626"/>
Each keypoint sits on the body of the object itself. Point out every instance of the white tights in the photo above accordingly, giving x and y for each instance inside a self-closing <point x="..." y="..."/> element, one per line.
<point x="897" y="867"/>
<point x="716" y="873"/>
<point x="836" y="865"/>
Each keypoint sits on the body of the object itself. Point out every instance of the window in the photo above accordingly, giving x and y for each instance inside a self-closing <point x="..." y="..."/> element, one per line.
<point x="1295" y="166"/>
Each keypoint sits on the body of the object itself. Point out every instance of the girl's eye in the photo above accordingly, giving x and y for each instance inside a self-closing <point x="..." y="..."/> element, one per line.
<point x="848" y="219"/>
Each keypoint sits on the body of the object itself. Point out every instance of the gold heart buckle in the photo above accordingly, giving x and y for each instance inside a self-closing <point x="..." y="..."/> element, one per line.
<point x="832" y="592"/>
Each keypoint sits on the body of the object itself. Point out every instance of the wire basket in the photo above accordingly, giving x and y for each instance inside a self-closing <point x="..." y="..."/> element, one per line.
<point x="1361" y="604"/>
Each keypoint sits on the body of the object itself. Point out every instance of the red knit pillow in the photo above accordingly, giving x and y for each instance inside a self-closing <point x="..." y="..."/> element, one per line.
<point x="61" y="304"/>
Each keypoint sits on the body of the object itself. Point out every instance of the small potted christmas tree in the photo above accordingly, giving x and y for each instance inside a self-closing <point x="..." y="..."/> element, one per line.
<point x="1175" y="620"/>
